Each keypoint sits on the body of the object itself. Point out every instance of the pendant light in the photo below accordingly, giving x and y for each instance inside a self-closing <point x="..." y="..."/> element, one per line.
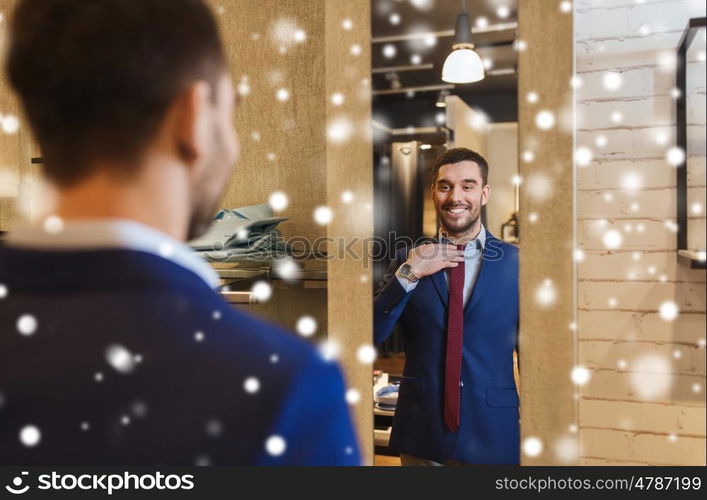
<point x="441" y="99"/>
<point x="463" y="65"/>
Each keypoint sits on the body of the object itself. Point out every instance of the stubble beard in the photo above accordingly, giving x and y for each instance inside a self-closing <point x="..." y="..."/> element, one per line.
<point x="459" y="227"/>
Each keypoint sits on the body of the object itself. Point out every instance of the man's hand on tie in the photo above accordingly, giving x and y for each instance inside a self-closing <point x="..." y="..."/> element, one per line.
<point x="430" y="258"/>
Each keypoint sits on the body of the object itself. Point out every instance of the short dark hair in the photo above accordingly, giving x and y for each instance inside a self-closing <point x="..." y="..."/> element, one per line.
<point x="456" y="155"/>
<point x="96" y="77"/>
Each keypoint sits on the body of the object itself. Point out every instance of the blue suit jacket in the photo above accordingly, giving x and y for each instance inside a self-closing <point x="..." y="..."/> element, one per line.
<point x="185" y="400"/>
<point x="489" y="432"/>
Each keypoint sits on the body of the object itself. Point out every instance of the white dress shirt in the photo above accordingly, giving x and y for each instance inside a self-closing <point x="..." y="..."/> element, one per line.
<point x="472" y="263"/>
<point x="108" y="233"/>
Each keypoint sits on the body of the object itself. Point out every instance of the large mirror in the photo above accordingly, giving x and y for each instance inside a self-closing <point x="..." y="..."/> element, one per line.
<point x="419" y="117"/>
<point x="575" y="117"/>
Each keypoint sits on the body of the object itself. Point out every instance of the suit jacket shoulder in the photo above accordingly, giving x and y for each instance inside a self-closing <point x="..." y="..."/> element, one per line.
<point x="134" y="360"/>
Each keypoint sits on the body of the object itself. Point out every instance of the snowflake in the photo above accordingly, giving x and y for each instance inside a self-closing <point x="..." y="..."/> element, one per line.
<point x="278" y="201"/>
<point x="612" y="81"/>
<point x="262" y="291"/>
<point x="251" y="385"/>
<point x="651" y="377"/>
<point x="631" y="181"/>
<point x="668" y="310"/>
<point x="27" y="324"/>
<point x="120" y="358"/>
<point x="30" y="435"/>
<point x="580" y="375"/>
<point x="545" y="120"/>
<point x="337" y="98"/>
<point x="532" y="446"/>
<point x="275" y="445"/>
<point x="546" y="294"/>
<point x="306" y="326"/>
<point x="366" y="354"/>
<point x="214" y="428"/>
<point x="10" y="124"/>
<point x="323" y="215"/>
<point x="53" y="224"/>
<point x="612" y="239"/>
<point x="353" y="396"/>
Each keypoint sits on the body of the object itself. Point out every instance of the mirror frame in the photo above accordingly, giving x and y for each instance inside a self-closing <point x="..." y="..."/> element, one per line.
<point x="685" y="256"/>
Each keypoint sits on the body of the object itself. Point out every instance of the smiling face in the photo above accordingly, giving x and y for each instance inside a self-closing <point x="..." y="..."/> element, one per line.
<point x="459" y="193"/>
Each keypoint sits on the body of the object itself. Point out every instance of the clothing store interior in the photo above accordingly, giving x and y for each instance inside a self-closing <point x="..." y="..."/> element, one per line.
<point x="597" y="177"/>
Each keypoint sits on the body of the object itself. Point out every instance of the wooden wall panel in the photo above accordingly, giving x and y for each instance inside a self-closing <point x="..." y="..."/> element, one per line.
<point x="350" y="170"/>
<point x="547" y="346"/>
<point x="283" y="142"/>
<point x="18" y="178"/>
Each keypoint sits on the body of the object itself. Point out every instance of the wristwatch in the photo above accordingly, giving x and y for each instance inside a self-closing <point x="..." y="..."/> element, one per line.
<point x="407" y="273"/>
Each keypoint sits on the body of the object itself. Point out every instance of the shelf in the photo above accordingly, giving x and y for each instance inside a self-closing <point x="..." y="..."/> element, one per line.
<point x="246" y="273"/>
<point x="382" y="413"/>
<point x="309" y="270"/>
<point x="238" y="297"/>
<point x="692" y="259"/>
<point x="381" y="437"/>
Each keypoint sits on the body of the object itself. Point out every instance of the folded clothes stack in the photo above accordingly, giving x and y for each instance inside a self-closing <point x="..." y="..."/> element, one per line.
<point x="386" y="398"/>
<point x="246" y="233"/>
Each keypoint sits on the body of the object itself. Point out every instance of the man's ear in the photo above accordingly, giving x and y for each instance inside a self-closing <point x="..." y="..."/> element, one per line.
<point x="191" y="112"/>
<point x="485" y="193"/>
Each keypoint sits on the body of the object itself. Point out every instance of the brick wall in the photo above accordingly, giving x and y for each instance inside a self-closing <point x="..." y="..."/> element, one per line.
<point x="645" y="400"/>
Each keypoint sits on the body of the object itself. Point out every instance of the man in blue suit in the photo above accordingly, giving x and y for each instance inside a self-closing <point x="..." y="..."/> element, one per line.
<point x="457" y="304"/>
<point x="114" y="347"/>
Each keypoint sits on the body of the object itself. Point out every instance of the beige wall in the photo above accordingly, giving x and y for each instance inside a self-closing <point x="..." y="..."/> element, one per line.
<point x="502" y="156"/>
<point x="624" y="416"/>
<point x="498" y="143"/>
<point x="468" y="125"/>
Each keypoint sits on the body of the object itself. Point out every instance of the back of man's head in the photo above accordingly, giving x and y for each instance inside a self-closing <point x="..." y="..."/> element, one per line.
<point x="96" y="77"/>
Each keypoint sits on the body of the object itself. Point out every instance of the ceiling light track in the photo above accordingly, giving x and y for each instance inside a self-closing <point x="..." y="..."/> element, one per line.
<point x="444" y="34"/>
<point x="416" y="67"/>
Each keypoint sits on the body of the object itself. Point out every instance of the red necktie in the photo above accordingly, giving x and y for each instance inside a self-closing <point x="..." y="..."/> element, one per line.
<point x="455" y="335"/>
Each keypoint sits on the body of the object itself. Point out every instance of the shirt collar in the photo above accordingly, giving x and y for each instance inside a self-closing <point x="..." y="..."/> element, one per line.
<point x="479" y="240"/>
<point x="104" y="233"/>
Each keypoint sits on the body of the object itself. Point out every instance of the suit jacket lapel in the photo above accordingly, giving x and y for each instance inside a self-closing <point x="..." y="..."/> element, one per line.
<point x="441" y="285"/>
<point x="485" y="276"/>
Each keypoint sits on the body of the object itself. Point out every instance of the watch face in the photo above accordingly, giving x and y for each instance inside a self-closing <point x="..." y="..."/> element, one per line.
<point x="406" y="272"/>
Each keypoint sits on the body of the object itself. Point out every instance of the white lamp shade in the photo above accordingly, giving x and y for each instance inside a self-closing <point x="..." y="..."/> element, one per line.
<point x="463" y="66"/>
